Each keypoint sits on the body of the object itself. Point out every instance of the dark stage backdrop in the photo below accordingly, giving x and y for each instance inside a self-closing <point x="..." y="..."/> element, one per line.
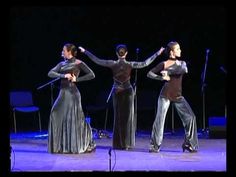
<point x="37" y="35"/>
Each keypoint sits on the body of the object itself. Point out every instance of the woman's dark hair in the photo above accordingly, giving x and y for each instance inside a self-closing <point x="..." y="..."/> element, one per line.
<point x="72" y="48"/>
<point x="169" y="47"/>
<point x="121" y="49"/>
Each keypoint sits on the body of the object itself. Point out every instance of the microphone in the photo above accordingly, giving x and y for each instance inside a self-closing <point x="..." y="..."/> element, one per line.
<point x="137" y="50"/>
<point x="207" y="51"/>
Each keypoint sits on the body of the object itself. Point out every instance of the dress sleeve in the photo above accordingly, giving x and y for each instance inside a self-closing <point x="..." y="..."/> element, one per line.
<point x="145" y="63"/>
<point x="153" y="72"/>
<point x="54" y="72"/>
<point x="89" y="74"/>
<point x="102" y="62"/>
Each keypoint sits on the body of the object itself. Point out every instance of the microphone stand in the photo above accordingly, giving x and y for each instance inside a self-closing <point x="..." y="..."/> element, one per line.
<point x="51" y="83"/>
<point x="104" y="133"/>
<point x="135" y="92"/>
<point x="203" y="93"/>
<point x="225" y="72"/>
<point x="51" y="86"/>
<point x="109" y="153"/>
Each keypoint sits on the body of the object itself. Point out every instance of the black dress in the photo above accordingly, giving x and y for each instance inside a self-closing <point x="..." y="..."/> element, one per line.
<point x="123" y="98"/>
<point x="68" y="131"/>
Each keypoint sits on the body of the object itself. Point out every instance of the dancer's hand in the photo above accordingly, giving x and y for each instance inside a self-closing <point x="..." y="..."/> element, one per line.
<point x="73" y="78"/>
<point x="82" y="50"/>
<point x="161" y="50"/>
<point x="68" y="76"/>
<point x="165" y="75"/>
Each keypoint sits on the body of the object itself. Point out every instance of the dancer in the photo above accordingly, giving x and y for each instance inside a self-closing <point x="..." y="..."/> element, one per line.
<point x="123" y="94"/>
<point x="172" y="71"/>
<point x="68" y="131"/>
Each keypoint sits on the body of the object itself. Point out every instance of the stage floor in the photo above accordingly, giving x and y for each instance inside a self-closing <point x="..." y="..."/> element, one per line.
<point x="29" y="154"/>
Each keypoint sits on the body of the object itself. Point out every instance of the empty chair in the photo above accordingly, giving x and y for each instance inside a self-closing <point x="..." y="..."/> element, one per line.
<point x="22" y="101"/>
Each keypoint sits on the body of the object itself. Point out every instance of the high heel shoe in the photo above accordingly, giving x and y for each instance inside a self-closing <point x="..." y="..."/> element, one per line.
<point x="90" y="150"/>
<point x="188" y="148"/>
<point x="155" y="149"/>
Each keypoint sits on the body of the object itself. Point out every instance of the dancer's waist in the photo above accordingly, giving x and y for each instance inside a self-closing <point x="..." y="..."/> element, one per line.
<point x="122" y="84"/>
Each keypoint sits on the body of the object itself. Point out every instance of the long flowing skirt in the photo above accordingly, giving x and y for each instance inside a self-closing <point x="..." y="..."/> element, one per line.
<point x="124" y="123"/>
<point x="68" y="131"/>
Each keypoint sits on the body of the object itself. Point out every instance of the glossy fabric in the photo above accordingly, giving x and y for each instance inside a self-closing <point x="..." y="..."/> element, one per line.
<point x="172" y="92"/>
<point x="186" y="115"/>
<point x="124" y="123"/>
<point x="68" y="131"/>
<point x="123" y="98"/>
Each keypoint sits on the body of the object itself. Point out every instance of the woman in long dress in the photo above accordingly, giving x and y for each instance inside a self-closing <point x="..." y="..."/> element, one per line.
<point x="68" y="130"/>
<point x="123" y="94"/>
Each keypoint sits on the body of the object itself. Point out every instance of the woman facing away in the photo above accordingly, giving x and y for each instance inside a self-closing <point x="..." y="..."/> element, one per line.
<point x="172" y="71"/>
<point x="68" y="131"/>
<point x="122" y="94"/>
